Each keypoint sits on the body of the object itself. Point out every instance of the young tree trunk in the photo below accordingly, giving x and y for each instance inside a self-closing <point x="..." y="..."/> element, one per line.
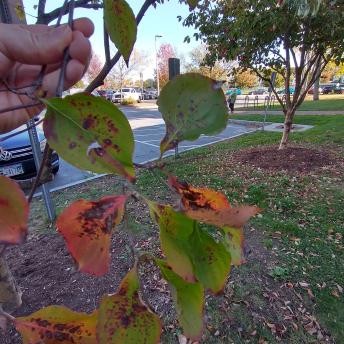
<point x="316" y="89"/>
<point x="288" y="122"/>
<point x="10" y="295"/>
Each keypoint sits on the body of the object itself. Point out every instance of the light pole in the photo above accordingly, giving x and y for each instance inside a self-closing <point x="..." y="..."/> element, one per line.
<point x="156" y="65"/>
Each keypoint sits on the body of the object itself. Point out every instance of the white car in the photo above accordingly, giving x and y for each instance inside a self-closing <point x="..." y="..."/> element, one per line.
<point x="126" y="93"/>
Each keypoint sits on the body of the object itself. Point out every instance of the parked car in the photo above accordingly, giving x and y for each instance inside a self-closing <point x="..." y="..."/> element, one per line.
<point x="153" y="93"/>
<point x="234" y="89"/>
<point x="126" y="93"/>
<point x="291" y="90"/>
<point x="16" y="157"/>
<point x="328" y="89"/>
<point x="259" y="91"/>
<point x="339" y="88"/>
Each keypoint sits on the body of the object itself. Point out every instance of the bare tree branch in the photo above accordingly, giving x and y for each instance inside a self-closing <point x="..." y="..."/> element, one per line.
<point x="106" y="46"/>
<point x="41" y="9"/>
<point x="49" y="17"/>
<point x="98" y="80"/>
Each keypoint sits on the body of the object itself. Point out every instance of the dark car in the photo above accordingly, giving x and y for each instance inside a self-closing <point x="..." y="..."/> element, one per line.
<point x="16" y="157"/>
<point x="107" y="94"/>
<point x="328" y="89"/>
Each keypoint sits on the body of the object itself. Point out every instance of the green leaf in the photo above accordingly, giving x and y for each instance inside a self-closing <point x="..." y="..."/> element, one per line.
<point x="14" y="212"/>
<point x="91" y="134"/>
<point x="191" y="104"/>
<point x="193" y="3"/>
<point x="57" y="324"/>
<point x="87" y="228"/>
<point x="191" y="252"/>
<point x="124" y="319"/>
<point x="188" y="299"/>
<point x="121" y="25"/>
<point x="234" y="242"/>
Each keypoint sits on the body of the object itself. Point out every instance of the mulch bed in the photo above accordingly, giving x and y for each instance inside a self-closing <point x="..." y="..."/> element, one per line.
<point x="290" y="159"/>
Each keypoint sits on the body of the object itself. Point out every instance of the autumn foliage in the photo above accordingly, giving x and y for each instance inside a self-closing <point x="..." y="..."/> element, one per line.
<point x="94" y="134"/>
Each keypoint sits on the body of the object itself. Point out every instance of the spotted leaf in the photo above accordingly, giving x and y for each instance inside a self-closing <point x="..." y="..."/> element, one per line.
<point x="87" y="227"/>
<point x="191" y="104"/>
<point x="121" y="25"/>
<point x="211" y="206"/>
<point x="124" y="319"/>
<point x="191" y="252"/>
<point x="57" y="325"/>
<point x="14" y="212"/>
<point x="90" y="133"/>
<point x="188" y="299"/>
<point x="234" y="242"/>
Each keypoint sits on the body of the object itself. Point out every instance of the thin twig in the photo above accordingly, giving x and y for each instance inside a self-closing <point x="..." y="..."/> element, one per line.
<point x="6" y="315"/>
<point x="49" y="17"/>
<point x="43" y="164"/>
<point x="18" y="107"/>
<point x="106" y="46"/>
<point x="13" y="90"/>
<point x="97" y="81"/>
<point x="60" y="85"/>
<point x="2" y="139"/>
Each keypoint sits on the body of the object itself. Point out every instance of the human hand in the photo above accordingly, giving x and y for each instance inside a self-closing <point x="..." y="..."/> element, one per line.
<point x="23" y="51"/>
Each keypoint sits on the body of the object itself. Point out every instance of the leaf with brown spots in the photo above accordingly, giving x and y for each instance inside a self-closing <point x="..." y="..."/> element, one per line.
<point x="87" y="228"/>
<point x="191" y="252"/>
<point x="191" y="104"/>
<point x="234" y="242"/>
<point x="121" y="25"/>
<point x="188" y="299"/>
<point x="192" y="3"/>
<point x="14" y="212"/>
<point x="90" y="133"/>
<point x="124" y="319"/>
<point x="57" y="325"/>
<point x="211" y="206"/>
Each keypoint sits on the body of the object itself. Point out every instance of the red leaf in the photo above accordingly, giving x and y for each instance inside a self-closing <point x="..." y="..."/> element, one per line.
<point x="211" y="206"/>
<point x="14" y="212"/>
<point x="87" y="227"/>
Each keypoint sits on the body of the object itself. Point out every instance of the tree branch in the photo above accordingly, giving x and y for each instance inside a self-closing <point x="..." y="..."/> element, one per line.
<point x="41" y="9"/>
<point x="98" y="80"/>
<point x="49" y="17"/>
<point x="106" y="46"/>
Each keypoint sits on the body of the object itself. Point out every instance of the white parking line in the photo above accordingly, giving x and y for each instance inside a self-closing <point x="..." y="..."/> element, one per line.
<point x="148" y="144"/>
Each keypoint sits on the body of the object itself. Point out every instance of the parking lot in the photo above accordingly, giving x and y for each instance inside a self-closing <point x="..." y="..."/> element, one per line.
<point x="148" y="128"/>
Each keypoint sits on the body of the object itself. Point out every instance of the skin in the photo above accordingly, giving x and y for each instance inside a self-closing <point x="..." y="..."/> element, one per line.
<point x="23" y="51"/>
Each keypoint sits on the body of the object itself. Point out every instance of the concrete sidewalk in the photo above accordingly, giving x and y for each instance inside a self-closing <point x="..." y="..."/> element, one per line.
<point x="278" y="112"/>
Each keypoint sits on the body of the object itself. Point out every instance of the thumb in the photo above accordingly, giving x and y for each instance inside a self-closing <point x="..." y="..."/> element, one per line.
<point x="36" y="44"/>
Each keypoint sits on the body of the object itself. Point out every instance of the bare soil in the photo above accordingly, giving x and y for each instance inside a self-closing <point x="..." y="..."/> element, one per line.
<point x="290" y="159"/>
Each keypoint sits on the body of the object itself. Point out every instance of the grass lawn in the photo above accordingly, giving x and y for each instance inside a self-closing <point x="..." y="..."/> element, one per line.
<point x="331" y="102"/>
<point x="302" y="222"/>
<point x="290" y="290"/>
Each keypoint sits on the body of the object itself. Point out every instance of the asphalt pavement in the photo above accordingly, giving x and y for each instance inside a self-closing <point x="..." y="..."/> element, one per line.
<point x="149" y="128"/>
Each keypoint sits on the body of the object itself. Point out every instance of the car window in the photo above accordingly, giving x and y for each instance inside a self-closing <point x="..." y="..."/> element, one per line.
<point x="125" y="89"/>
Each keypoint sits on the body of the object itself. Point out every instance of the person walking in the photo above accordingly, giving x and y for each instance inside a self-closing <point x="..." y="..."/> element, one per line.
<point x="231" y="100"/>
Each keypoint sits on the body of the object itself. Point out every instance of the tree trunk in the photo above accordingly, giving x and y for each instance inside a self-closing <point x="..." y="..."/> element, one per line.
<point x="10" y="295"/>
<point x="288" y="122"/>
<point x="316" y="89"/>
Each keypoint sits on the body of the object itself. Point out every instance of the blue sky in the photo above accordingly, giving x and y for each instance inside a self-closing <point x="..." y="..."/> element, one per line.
<point x="160" y="21"/>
